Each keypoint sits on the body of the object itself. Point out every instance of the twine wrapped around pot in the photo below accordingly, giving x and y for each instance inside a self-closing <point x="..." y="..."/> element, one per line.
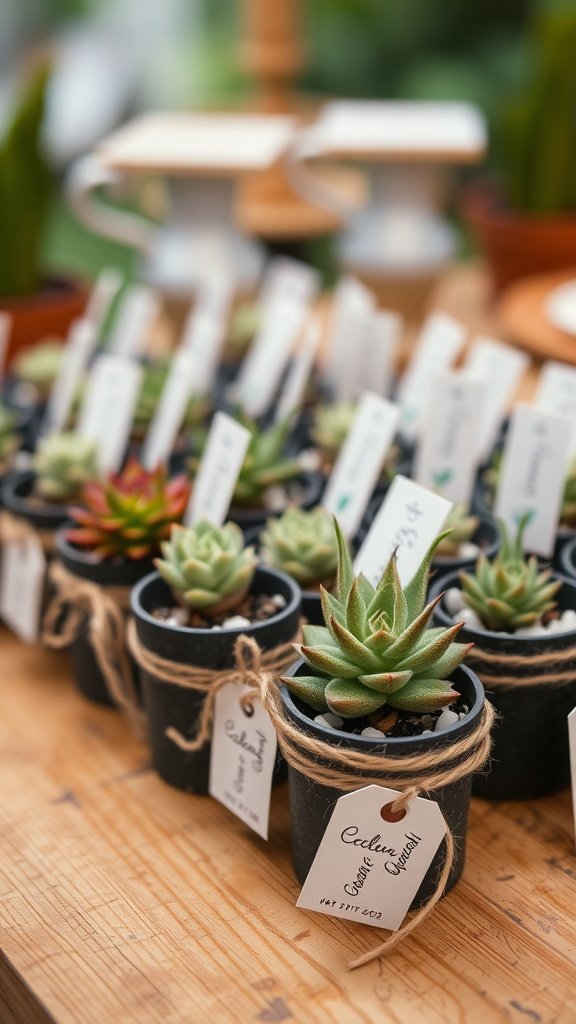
<point x="76" y="599"/>
<point x="522" y="670"/>
<point x="338" y="767"/>
<point x="17" y="530"/>
<point x="251" y="667"/>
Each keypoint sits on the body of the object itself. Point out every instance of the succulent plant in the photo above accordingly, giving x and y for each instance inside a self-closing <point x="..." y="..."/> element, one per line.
<point x="509" y="592"/>
<point x="462" y="527"/>
<point x="244" y="325"/>
<point x="375" y="647"/>
<point x="39" y="365"/>
<point x="303" y="544"/>
<point x="63" y="463"/>
<point x="266" y="464"/>
<point x="207" y="567"/>
<point x="129" y="514"/>
<point x="330" y="426"/>
<point x="153" y="380"/>
<point x="9" y="439"/>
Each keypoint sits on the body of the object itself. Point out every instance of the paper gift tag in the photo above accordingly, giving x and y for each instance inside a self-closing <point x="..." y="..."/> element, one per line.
<point x="360" y="461"/>
<point x="409" y="519"/>
<point x="556" y="392"/>
<point x="106" y="288"/>
<point x="242" y="757"/>
<point x="440" y="341"/>
<point x="22" y="585"/>
<point x="171" y="410"/>
<point x="5" y="330"/>
<point x="82" y="341"/>
<point x="367" y="868"/>
<point x="447" y="459"/>
<point x="137" y="313"/>
<point x="292" y="393"/>
<point x="219" y="470"/>
<point x="502" y="367"/>
<point x="572" y="742"/>
<point x="352" y="304"/>
<point x="108" y="407"/>
<point x="532" y="475"/>
<point x="266" y="361"/>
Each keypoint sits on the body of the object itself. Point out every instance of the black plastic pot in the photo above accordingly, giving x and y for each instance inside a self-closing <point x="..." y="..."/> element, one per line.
<point x="247" y="517"/>
<point x="530" y="757"/>
<point x="485" y="537"/>
<point x="169" y="705"/>
<point x="117" y="572"/>
<point x="311" y="804"/>
<point x="18" y="498"/>
<point x="568" y="559"/>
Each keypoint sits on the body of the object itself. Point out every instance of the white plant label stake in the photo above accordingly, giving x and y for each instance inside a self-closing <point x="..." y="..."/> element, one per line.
<point x="352" y="306"/>
<point x="108" y="408"/>
<point x="171" y="410"/>
<point x="408" y="520"/>
<point x="572" y="741"/>
<point x="382" y="341"/>
<point x="292" y="393"/>
<point x="130" y="334"/>
<point x="22" y="586"/>
<point x="266" y="361"/>
<point x="290" y="279"/>
<point x="532" y="475"/>
<point x="82" y="341"/>
<point x="203" y="338"/>
<point x="368" y="869"/>
<point x="360" y="461"/>
<point x="242" y="757"/>
<point x="446" y="460"/>
<point x="219" y="470"/>
<point x="556" y="392"/>
<point x="440" y="342"/>
<point x="502" y="367"/>
<point x="108" y="284"/>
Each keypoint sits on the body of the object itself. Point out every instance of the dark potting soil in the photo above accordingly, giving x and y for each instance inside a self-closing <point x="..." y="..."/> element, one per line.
<point x="393" y="723"/>
<point x="255" y="607"/>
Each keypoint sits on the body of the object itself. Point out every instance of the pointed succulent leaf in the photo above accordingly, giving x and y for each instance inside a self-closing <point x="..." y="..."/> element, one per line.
<point x="309" y="688"/>
<point x="423" y="695"/>
<point x="350" y="699"/>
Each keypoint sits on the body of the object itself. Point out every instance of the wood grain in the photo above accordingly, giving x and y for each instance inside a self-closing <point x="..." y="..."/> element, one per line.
<point x="126" y="902"/>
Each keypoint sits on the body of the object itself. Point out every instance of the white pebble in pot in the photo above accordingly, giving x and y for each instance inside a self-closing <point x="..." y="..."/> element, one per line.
<point x="330" y="720"/>
<point x="453" y="600"/>
<point x="371" y="731"/>
<point x="469" y="618"/>
<point x="236" y="622"/>
<point x="468" y="550"/>
<point x="446" y="719"/>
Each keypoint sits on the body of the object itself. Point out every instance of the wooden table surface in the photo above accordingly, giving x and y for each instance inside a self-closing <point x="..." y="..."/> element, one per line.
<point x="124" y="901"/>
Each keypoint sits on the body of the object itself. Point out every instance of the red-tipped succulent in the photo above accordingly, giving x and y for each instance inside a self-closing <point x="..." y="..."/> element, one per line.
<point x="130" y="513"/>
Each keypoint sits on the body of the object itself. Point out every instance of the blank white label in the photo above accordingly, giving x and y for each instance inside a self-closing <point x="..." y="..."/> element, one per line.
<point x="203" y="338"/>
<point x="131" y="331"/>
<point x="532" y="475"/>
<point x="170" y="411"/>
<point x="108" y="408"/>
<point x="440" y="342"/>
<point x="352" y="308"/>
<point x="360" y="461"/>
<point x="77" y="353"/>
<point x="266" y="361"/>
<point x="219" y="470"/>
<point x="556" y="392"/>
<point x="502" y="367"/>
<point x="294" y="389"/>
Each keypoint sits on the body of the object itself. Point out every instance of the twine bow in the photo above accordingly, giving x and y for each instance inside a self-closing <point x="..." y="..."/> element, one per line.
<point x="346" y="770"/>
<point x="75" y="599"/>
<point x="252" y="667"/>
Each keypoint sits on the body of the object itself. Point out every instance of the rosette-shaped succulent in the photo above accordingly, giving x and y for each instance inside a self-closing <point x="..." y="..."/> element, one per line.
<point x="207" y="567"/>
<point x="303" y="544"/>
<point x="39" y="365"/>
<point x="509" y="592"/>
<point x="129" y="514"/>
<point x="63" y="463"/>
<point x="9" y="440"/>
<point x="266" y="464"/>
<point x="376" y="647"/>
<point x="462" y="528"/>
<point x="330" y="427"/>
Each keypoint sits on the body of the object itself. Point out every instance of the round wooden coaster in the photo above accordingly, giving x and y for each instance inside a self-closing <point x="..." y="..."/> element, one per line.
<point x="523" y="317"/>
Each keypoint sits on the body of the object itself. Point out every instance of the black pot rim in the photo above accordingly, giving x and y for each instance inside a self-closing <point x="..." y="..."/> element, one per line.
<point x="444" y="583"/>
<point x="140" y="612"/>
<point x="19" y="504"/>
<point x="369" y="742"/>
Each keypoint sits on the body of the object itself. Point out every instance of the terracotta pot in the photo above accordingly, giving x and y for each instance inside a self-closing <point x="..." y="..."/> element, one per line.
<point x="47" y="313"/>
<point x="518" y="244"/>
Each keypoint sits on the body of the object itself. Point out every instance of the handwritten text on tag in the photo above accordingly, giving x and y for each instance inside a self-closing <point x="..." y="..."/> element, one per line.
<point x="242" y="757"/>
<point x="409" y="519"/>
<point x="532" y="475"/>
<point x="219" y="470"/>
<point x="369" y="869"/>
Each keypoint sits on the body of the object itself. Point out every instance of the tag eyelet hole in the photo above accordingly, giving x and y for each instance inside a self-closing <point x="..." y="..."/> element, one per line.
<point x="248" y="710"/>
<point x="391" y="816"/>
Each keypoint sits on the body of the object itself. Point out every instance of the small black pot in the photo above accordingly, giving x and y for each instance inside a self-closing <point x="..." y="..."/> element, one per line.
<point x="568" y="559"/>
<point x="530" y="757"/>
<point x="168" y="705"/>
<point x="114" y="572"/>
<point x="311" y="804"/>
<point x="247" y="517"/>
<point x="486" y="537"/>
<point x="17" y="498"/>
